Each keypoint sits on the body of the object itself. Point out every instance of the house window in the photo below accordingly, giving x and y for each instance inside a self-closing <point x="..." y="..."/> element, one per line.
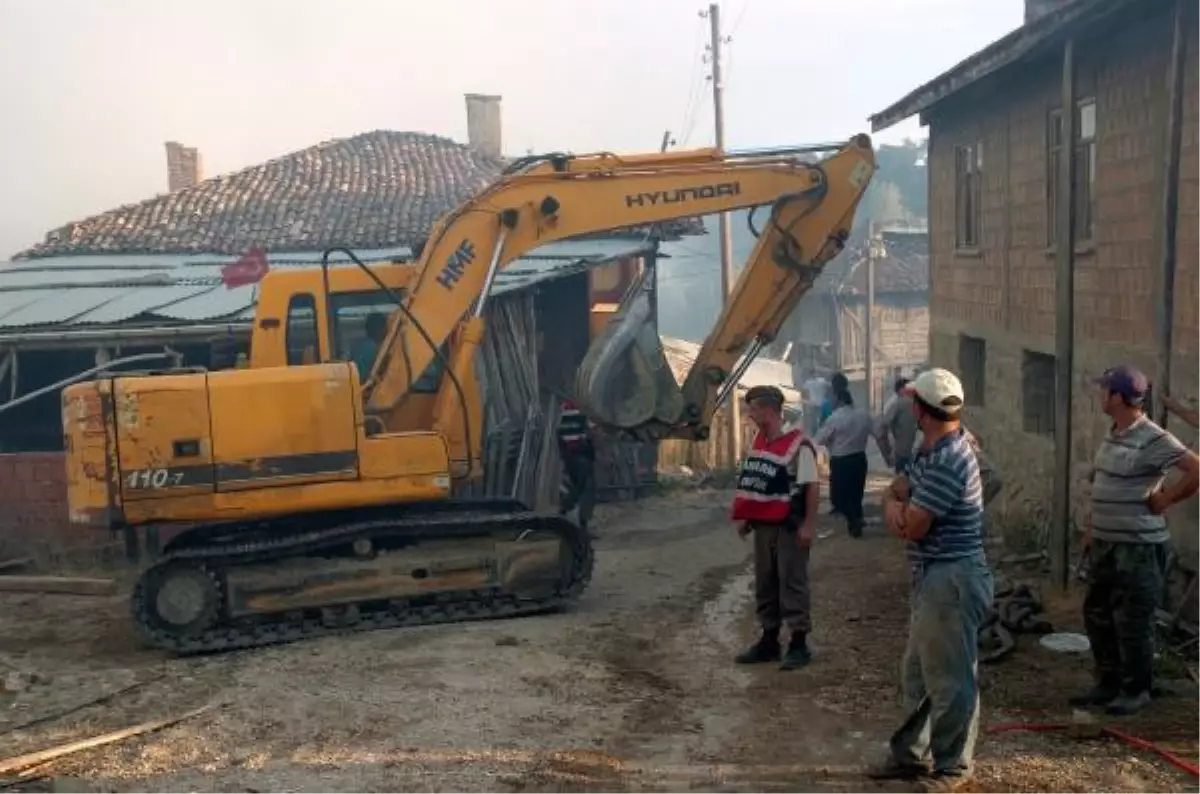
<point x="968" y="170"/>
<point x="1085" y="169"/>
<point x="1038" y="389"/>
<point x="972" y="360"/>
<point x="300" y="337"/>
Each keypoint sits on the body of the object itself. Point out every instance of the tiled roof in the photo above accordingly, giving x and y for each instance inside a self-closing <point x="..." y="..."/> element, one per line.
<point x="376" y="190"/>
<point x="904" y="268"/>
<point x="381" y="189"/>
<point x="763" y="371"/>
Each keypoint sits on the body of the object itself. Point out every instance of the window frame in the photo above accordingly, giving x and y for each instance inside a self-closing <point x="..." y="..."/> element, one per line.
<point x="1040" y="422"/>
<point x="1085" y="153"/>
<point x="288" y="330"/>
<point x="430" y="381"/>
<point x="968" y="195"/>
<point x="973" y="369"/>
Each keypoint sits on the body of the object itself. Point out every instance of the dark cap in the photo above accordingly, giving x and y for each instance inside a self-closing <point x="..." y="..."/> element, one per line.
<point x="1127" y="381"/>
<point x="767" y="394"/>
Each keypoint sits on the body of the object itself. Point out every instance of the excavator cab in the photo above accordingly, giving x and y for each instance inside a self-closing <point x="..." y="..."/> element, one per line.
<point x="305" y="317"/>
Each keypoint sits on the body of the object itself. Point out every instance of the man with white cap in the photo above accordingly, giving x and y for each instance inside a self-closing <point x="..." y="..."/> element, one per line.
<point x="941" y="518"/>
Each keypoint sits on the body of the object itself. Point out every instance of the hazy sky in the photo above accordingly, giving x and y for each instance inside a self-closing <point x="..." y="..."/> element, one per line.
<point x="90" y="89"/>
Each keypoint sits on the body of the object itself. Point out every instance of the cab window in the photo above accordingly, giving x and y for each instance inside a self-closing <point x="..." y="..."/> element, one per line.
<point x="359" y="323"/>
<point x="300" y="336"/>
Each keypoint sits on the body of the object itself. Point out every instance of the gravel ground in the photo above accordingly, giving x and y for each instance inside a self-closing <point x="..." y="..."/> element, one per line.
<point x="632" y="689"/>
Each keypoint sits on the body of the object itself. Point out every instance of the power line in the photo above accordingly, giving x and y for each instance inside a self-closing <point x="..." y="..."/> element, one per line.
<point x="740" y="16"/>
<point x="729" y="41"/>
<point x="696" y="78"/>
<point x="691" y="126"/>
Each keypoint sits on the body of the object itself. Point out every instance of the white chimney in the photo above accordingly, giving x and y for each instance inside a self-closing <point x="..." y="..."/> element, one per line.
<point x="483" y="124"/>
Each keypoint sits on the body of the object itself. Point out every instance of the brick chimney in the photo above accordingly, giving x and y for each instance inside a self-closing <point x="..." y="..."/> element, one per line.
<point x="183" y="166"/>
<point x="1034" y="9"/>
<point x="483" y="124"/>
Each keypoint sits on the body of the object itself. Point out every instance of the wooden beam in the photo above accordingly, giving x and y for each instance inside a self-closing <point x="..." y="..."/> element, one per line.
<point x="1064" y="332"/>
<point x="17" y="763"/>
<point x="19" y="562"/>
<point x="1168" y="243"/>
<point x="57" y="584"/>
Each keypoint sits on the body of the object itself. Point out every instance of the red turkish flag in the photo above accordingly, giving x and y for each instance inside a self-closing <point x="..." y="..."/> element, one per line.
<point x="250" y="269"/>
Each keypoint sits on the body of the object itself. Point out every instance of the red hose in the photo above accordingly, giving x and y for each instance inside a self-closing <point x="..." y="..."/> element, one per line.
<point x="1169" y="757"/>
<point x="1133" y="741"/>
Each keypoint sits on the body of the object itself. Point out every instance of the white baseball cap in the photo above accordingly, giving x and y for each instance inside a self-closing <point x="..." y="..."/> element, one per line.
<point x="940" y="388"/>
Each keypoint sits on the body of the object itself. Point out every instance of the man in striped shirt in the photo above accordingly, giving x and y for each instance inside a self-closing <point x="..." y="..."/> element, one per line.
<point x="942" y="521"/>
<point x="1128" y="540"/>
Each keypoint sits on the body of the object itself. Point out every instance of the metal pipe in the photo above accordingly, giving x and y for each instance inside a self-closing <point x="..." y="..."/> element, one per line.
<point x="738" y="371"/>
<point x="493" y="267"/>
<point x="87" y="373"/>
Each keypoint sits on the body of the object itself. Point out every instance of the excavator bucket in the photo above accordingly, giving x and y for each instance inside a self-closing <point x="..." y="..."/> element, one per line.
<point x="624" y="382"/>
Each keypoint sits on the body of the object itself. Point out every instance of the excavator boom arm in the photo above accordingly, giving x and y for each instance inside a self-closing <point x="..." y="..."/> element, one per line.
<point x="625" y="382"/>
<point x="778" y="274"/>
<point x="553" y="201"/>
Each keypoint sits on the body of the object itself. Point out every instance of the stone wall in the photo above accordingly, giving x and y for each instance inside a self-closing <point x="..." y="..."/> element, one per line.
<point x="1002" y="292"/>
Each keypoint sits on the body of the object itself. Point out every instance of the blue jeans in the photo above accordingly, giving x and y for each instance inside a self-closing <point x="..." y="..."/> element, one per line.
<point x="902" y="462"/>
<point x="950" y="601"/>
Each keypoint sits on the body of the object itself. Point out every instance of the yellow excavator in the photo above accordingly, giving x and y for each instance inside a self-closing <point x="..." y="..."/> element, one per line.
<point x="312" y="502"/>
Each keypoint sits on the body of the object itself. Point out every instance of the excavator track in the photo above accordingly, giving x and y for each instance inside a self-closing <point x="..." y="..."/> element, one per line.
<point x="188" y="602"/>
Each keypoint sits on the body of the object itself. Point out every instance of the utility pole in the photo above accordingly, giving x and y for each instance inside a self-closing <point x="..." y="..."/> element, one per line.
<point x="1064" y="331"/>
<point x="735" y="414"/>
<point x="872" y="252"/>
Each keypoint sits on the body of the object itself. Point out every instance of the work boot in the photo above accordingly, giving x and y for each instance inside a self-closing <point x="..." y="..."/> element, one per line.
<point x="945" y="783"/>
<point x="891" y="769"/>
<point x="1128" y="703"/>
<point x="765" y="650"/>
<point x="797" y="655"/>
<point x="1101" y="694"/>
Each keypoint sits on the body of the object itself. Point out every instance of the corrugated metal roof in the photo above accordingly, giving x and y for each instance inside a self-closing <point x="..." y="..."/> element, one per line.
<point x="681" y="357"/>
<point x="182" y="288"/>
<point x="57" y="306"/>
<point x="132" y="302"/>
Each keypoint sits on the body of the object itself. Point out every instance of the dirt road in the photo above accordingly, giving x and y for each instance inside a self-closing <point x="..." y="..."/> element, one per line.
<point x="631" y="690"/>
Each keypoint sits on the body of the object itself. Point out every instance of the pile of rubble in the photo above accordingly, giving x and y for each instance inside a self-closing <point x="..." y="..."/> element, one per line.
<point x="1015" y="610"/>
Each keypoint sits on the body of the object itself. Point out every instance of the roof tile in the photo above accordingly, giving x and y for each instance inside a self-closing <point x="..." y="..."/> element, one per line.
<point x="904" y="268"/>
<point x="380" y="189"/>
